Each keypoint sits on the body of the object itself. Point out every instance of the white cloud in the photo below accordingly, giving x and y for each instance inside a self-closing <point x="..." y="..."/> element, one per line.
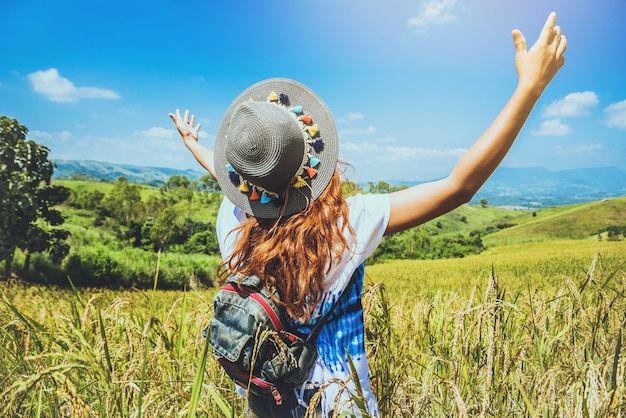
<point x="62" y="136"/>
<point x="60" y="89"/>
<point x="553" y="127"/>
<point x="574" y="104"/>
<point x="397" y="154"/>
<point x="168" y="136"/>
<point x="55" y="140"/>
<point x="39" y="135"/>
<point x="616" y="115"/>
<point x="157" y="132"/>
<point x="373" y="161"/>
<point x="434" y="12"/>
<point x="355" y="116"/>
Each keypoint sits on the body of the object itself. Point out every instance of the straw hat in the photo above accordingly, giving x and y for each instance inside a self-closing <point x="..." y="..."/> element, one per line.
<point x="276" y="148"/>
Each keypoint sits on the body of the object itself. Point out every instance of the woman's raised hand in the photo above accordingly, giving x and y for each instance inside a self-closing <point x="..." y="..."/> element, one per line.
<point x="537" y="66"/>
<point x="189" y="132"/>
<point x="185" y="125"/>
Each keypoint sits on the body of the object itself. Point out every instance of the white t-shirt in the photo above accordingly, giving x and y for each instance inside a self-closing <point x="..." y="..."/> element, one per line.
<point x="344" y="329"/>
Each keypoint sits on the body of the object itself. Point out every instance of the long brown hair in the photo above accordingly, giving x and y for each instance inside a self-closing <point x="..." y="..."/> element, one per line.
<point x="295" y="254"/>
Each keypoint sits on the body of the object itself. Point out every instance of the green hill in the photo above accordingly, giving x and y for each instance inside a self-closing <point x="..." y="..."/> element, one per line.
<point x="102" y="186"/>
<point x="496" y="225"/>
<point x="581" y="221"/>
<point x="468" y="218"/>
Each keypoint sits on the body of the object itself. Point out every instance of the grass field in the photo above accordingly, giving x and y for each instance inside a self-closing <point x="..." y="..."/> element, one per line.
<point x="564" y="222"/>
<point x="541" y="338"/>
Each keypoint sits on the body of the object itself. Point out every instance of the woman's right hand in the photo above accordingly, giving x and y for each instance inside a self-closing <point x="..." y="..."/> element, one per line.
<point x="537" y="66"/>
<point x="535" y="69"/>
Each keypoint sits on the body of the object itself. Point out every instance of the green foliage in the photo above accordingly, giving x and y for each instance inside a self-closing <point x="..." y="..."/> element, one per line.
<point x="85" y="199"/>
<point x="115" y="245"/>
<point x="204" y="242"/>
<point x="179" y="218"/>
<point x="418" y="244"/>
<point x="616" y="233"/>
<point x="384" y="187"/>
<point x="124" y="202"/>
<point x="93" y="266"/>
<point x="208" y="184"/>
<point x="176" y="181"/>
<point x="349" y="188"/>
<point x="165" y="230"/>
<point x="98" y="266"/>
<point x="27" y="199"/>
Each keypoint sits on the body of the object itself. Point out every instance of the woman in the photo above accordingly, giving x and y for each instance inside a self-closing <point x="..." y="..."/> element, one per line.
<point x="285" y="220"/>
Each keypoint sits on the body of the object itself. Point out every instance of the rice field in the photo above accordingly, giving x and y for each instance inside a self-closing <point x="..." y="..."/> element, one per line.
<point x="532" y="330"/>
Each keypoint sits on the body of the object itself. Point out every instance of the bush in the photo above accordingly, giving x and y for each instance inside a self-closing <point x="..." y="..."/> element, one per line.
<point x="204" y="242"/>
<point x="133" y="267"/>
<point x="93" y="266"/>
<point x="416" y="244"/>
<point x="44" y="271"/>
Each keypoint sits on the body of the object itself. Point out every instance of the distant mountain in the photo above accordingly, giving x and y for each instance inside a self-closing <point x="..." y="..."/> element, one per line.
<point x="101" y="171"/>
<point x="539" y="187"/>
<point x="525" y="187"/>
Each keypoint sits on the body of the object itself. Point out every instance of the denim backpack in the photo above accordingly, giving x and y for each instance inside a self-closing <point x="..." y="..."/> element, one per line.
<point x="250" y="338"/>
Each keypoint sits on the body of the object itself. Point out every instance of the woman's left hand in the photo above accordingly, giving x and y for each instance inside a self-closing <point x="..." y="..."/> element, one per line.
<point x="185" y="125"/>
<point x="189" y="132"/>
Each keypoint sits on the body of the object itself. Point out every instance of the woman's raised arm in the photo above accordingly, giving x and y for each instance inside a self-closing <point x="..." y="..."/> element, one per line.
<point x="535" y="68"/>
<point x="189" y="133"/>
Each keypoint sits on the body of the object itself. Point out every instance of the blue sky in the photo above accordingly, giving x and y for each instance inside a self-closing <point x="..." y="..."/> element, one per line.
<point x="411" y="83"/>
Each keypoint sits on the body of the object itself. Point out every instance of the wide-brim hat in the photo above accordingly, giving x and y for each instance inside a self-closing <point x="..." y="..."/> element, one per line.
<point x="276" y="148"/>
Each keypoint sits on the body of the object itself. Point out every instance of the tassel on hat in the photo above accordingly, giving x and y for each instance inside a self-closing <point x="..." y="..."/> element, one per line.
<point x="252" y="180"/>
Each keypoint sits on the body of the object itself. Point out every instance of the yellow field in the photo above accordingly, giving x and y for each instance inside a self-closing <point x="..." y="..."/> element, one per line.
<point x="542" y="338"/>
<point x="539" y="265"/>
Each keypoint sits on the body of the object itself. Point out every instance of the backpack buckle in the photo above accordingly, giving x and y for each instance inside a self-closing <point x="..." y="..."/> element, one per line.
<point x="276" y="395"/>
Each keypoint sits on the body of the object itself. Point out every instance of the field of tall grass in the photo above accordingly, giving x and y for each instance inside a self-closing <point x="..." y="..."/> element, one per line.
<point x="533" y="330"/>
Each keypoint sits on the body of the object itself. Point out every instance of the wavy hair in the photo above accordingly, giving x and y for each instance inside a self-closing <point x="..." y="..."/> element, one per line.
<point x="296" y="253"/>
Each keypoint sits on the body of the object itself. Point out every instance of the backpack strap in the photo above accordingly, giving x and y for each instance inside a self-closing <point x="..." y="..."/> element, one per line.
<point x="318" y="325"/>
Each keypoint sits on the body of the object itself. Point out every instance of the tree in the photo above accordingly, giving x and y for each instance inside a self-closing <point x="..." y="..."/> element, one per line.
<point x="204" y="242"/>
<point x="27" y="199"/>
<point x="176" y="181"/>
<point x="208" y="183"/>
<point x="177" y="188"/>
<point x="85" y="199"/>
<point x="349" y="188"/>
<point x="484" y="203"/>
<point x="123" y="203"/>
<point x="166" y="230"/>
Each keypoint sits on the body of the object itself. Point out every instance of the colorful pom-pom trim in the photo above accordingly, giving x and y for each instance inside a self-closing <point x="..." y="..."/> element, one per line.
<point x="307" y="169"/>
<point x="317" y="144"/>
<point x="300" y="182"/>
<point x="255" y="194"/>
